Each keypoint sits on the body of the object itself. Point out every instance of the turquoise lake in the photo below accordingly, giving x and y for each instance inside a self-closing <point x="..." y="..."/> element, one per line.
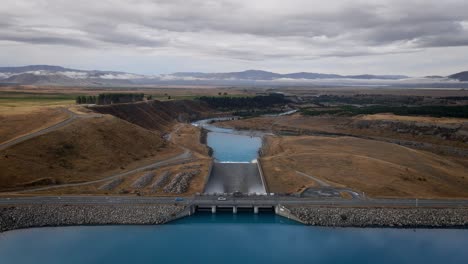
<point x="227" y="238"/>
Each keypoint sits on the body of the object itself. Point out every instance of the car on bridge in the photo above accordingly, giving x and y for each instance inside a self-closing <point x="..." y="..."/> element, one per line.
<point x="222" y="199"/>
<point x="178" y="199"/>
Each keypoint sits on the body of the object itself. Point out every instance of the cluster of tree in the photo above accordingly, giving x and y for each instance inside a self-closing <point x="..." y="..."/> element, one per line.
<point x="86" y="99"/>
<point x="368" y="99"/>
<point x="110" y="98"/>
<point x="259" y="101"/>
<point x="256" y="112"/>
<point x="456" y="98"/>
<point x="435" y="111"/>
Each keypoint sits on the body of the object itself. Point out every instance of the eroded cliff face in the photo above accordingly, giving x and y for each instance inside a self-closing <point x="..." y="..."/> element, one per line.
<point x="157" y="115"/>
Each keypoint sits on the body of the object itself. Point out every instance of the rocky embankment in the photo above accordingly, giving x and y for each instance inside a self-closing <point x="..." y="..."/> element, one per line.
<point x="181" y="182"/>
<point x="17" y="217"/>
<point x="382" y="217"/>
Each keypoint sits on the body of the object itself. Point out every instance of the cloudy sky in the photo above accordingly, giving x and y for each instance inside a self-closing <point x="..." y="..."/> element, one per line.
<point x="414" y="37"/>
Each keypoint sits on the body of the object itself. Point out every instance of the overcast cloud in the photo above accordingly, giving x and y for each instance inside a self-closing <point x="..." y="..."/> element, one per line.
<point x="144" y="36"/>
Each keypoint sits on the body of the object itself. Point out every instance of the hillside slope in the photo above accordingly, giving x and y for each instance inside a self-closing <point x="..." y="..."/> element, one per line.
<point x="87" y="149"/>
<point x="461" y="76"/>
<point x="157" y="115"/>
<point x="379" y="169"/>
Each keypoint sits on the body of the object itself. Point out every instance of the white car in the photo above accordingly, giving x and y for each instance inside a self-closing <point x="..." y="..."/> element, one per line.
<point x="221" y="198"/>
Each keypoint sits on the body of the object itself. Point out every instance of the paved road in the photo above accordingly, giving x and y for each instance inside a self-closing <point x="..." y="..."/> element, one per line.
<point x="71" y="118"/>
<point x="242" y="201"/>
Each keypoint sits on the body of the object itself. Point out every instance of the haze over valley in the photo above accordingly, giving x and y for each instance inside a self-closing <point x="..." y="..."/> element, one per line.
<point x="56" y="75"/>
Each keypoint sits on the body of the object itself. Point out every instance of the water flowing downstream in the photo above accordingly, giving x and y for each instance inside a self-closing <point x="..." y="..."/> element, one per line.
<point x="235" y="153"/>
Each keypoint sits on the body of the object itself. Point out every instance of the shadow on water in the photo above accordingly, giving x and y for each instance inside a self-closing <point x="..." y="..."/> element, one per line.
<point x="241" y="218"/>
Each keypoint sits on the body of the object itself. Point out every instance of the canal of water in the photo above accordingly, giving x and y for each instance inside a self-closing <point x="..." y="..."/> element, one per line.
<point x="230" y="145"/>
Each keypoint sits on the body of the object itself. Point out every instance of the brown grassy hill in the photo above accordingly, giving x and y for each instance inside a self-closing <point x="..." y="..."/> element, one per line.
<point x="156" y="115"/>
<point x="85" y="150"/>
<point x="17" y="124"/>
<point x="380" y="169"/>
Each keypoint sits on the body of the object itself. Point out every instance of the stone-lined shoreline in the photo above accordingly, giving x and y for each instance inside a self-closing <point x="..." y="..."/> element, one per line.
<point x="28" y="216"/>
<point x="382" y="217"/>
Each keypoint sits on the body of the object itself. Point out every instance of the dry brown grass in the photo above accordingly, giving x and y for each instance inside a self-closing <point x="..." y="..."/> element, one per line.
<point x="85" y="150"/>
<point x="299" y="124"/>
<point x="188" y="136"/>
<point x="196" y="185"/>
<point x="15" y="124"/>
<point x="419" y="119"/>
<point x="377" y="168"/>
<point x="175" y="91"/>
<point x="295" y="122"/>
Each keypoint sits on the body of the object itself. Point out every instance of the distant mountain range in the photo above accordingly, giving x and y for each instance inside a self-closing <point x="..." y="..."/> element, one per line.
<point x="461" y="76"/>
<point x="56" y="75"/>
<point x="268" y="76"/>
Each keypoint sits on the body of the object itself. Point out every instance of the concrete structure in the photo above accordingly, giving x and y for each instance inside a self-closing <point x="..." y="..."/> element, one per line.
<point x="260" y="171"/>
<point x="233" y="205"/>
<point x="235" y="177"/>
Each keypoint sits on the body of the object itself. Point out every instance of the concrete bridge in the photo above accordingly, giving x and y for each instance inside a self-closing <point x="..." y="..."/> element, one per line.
<point x="234" y="208"/>
<point x="234" y="205"/>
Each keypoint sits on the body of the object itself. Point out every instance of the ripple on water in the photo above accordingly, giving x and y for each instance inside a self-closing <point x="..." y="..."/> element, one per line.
<point x="224" y="238"/>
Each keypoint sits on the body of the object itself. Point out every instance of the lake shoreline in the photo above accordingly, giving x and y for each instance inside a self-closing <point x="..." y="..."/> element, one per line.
<point x="380" y="217"/>
<point x="31" y="216"/>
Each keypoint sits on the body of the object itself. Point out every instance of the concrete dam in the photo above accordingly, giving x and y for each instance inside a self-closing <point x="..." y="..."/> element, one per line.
<point x="230" y="178"/>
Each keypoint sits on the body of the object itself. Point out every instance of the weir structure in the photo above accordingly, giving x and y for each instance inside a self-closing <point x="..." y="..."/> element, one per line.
<point x="235" y="206"/>
<point x="229" y="178"/>
<point x="227" y="181"/>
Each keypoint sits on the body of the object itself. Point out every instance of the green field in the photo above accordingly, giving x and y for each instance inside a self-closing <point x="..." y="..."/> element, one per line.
<point x="15" y="100"/>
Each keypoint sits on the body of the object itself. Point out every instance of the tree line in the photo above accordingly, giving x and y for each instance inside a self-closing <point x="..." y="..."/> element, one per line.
<point x="435" y="111"/>
<point x="259" y="101"/>
<point x="110" y="98"/>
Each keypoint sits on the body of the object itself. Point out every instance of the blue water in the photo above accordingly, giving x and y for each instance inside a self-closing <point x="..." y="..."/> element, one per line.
<point x="224" y="238"/>
<point x="233" y="148"/>
<point x="230" y="145"/>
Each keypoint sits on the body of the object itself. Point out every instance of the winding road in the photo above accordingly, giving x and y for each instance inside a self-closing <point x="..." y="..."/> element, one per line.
<point x="185" y="156"/>
<point x="71" y="118"/>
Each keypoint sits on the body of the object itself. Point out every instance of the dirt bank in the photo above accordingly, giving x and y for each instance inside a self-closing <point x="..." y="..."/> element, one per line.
<point x="157" y="115"/>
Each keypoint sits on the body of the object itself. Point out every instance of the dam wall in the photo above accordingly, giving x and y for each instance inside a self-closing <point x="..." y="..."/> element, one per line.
<point x="235" y="177"/>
